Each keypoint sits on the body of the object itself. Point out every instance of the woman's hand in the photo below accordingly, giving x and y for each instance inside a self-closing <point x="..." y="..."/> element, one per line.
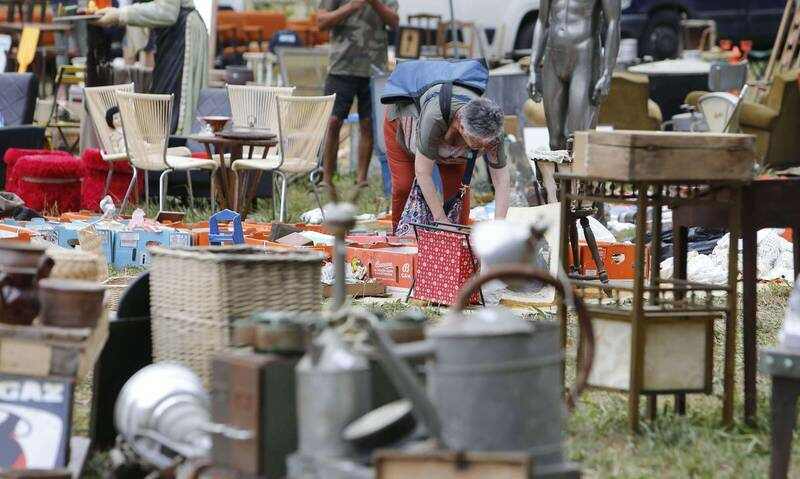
<point x="423" y="169"/>
<point x="110" y="17"/>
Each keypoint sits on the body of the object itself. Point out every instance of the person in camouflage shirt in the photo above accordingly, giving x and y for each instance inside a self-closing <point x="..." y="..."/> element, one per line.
<point x="359" y="41"/>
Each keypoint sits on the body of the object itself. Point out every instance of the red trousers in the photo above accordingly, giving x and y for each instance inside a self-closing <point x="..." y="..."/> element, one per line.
<point x="401" y="167"/>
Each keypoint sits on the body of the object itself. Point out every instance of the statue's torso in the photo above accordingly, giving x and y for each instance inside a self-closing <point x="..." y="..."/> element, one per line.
<point x="572" y="22"/>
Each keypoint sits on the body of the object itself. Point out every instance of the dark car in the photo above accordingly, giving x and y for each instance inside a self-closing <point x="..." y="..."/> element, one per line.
<point x="656" y="23"/>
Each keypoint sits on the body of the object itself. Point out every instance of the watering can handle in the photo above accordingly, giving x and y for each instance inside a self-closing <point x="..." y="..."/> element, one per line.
<point x="584" y="322"/>
<point x="44" y="267"/>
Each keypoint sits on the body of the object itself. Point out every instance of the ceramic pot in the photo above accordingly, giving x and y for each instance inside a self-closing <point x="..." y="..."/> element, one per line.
<point x="21" y="268"/>
<point x="20" y="256"/>
<point x="238" y="75"/>
<point x="70" y="303"/>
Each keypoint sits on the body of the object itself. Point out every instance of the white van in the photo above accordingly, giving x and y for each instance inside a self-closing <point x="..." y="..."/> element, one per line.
<point x="508" y="24"/>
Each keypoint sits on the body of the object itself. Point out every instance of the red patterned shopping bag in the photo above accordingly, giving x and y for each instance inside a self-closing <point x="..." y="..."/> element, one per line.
<point x="444" y="263"/>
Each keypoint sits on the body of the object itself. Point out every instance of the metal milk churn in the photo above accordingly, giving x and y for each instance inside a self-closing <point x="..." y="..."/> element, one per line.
<point x="333" y="390"/>
<point x="494" y="379"/>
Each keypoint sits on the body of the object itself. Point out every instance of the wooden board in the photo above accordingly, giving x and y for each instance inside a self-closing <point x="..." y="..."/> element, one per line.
<point x="254" y="392"/>
<point x="664" y="156"/>
<point x="358" y="290"/>
<point x="47" y="350"/>
<point x="450" y="465"/>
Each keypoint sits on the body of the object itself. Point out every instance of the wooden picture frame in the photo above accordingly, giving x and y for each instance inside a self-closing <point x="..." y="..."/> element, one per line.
<point x="409" y="42"/>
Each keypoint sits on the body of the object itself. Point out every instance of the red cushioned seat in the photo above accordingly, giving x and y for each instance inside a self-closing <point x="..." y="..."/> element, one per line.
<point x="49" y="183"/>
<point x="200" y="154"/>
<point x="10" y="159"/>
<point x="93" y="161"/>
<point x="95" y="171"/>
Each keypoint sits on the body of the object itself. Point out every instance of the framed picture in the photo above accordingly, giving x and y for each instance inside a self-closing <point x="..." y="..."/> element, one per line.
<point x="409" y="44"/>
<point x="35" y="422"/>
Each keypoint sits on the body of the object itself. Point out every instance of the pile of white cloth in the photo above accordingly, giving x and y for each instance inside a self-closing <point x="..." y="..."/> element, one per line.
<point x="774" y="260"/>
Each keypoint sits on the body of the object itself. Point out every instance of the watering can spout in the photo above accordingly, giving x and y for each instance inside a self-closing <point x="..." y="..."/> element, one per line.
<point x="403" y="377"/>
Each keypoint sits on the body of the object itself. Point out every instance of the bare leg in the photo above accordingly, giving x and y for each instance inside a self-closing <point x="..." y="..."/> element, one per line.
<point x="331" y="149"/>
<point x="555" y="104"/>
<point x="364" y="149"/>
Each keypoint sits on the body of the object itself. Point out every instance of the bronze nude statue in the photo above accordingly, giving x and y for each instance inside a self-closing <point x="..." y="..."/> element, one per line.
<point x="571" y="68"/>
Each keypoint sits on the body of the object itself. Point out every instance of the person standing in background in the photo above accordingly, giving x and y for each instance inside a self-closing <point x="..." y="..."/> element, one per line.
<point x="359" y="41"/>
<point x="181" y="59"/>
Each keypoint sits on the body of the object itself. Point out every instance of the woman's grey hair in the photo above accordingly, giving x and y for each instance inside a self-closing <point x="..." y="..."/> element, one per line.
<point x="482" y="118"/>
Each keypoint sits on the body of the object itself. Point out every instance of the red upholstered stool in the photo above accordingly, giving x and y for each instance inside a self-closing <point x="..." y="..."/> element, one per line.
<point x="49" y="182"/>
<point x="14" y="154"/>
<point x="95" y="173"/>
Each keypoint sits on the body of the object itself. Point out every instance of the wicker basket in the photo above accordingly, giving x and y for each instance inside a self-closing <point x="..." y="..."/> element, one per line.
<point x="73" y="264"/>
<point x="114" y="289"/>
<point x="196" y="293"/>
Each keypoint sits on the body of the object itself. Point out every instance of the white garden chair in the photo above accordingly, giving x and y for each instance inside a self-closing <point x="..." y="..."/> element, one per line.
<point x="254" y="106"/>
<point x="99" y="100"/>
<point x="146" y="122"/>
<point x="302" y="125"/>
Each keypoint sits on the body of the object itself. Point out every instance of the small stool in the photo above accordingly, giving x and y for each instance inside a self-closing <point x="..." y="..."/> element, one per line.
<point x="48" y="182"/>
<point x="95" y="175"/>
<point x="10" y="159"/>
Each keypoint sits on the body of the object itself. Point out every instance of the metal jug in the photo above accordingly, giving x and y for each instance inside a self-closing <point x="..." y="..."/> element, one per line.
<point x="494" y="380"/>
<point x="333" y="389"/>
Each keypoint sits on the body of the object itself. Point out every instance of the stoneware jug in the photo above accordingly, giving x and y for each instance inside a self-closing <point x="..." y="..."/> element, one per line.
<point x="21" y="267"/>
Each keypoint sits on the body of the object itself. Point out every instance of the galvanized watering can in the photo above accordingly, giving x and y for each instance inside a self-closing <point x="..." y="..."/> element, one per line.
<point x="494" y="380"/>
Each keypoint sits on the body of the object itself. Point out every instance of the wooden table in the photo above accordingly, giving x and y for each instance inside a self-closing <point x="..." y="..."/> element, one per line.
<point x="17" y="27"/>
<point x="784" y="367"/>
<point x="766" y="203"/>
<point x="228" y="193"/>
<point x="656" y="299"/>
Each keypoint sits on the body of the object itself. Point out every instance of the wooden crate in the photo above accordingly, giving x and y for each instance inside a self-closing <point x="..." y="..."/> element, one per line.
<point x="254" y="392"/>
<point x="51" y="351"/>
<point x="451" y="465"/>
<point x="664" y="156"/>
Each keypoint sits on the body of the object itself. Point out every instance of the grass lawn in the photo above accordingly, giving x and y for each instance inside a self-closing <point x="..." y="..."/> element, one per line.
<point x="597" y="436"/>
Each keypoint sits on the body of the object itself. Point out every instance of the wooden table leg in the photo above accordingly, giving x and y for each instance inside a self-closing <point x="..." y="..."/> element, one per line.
<point x="250" y="194"/>
<point x="796" y="249"/>
<point x="655" y="277"/>
<point x="218" y="192"/>
<point x="749" y="326"/>
<point x="729" y="379"/>
<point x="637" y="313"/>
<point x="680" y="240"/>
<point x="563" y="246"/>
<point x="784" y="418"/>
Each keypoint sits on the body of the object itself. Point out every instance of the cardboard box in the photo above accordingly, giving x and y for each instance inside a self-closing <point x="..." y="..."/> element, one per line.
<point x="262" y="239"/>
<point x="619" y="259"/>
<point x="389" y="265"/>
<point x="131" y="246"/>
<point x="39" y="228"/>
<point x="15" y="233"/>
<point x="68" y="236"/>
